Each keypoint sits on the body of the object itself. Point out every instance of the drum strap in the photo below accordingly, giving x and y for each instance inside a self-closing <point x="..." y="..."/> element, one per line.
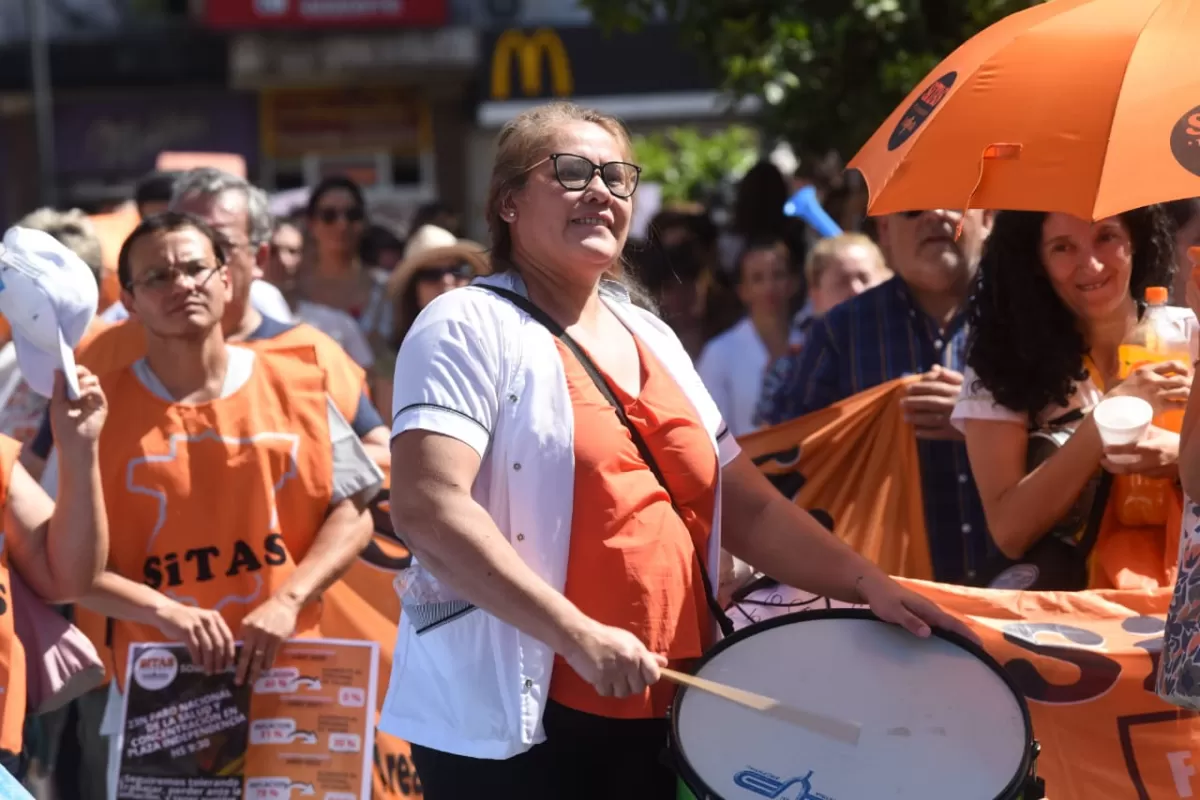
<point x="589" y="366"/>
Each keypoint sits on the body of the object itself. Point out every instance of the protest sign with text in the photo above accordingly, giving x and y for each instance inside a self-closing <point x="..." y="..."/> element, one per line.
<point x="305" y="727"/>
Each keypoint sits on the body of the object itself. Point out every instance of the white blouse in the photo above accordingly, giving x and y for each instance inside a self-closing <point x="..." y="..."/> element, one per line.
<point x="479" y="370"/>
<point x="976" y="402"/>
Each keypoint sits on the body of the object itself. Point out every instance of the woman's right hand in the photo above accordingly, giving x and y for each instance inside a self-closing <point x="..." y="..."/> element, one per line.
<point x="208" y="638"/>
<point x="1164" y="385"/>
<point x="614" y="661"/>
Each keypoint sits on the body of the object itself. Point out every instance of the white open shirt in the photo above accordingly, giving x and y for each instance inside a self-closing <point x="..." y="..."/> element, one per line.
<point x="476" y="368"/>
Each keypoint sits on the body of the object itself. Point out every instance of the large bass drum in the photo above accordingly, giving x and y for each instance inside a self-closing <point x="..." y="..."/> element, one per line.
<point x="940" y="718"/>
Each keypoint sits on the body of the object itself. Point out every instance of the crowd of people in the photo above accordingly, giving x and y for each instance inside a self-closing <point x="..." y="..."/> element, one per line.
<point x="557" y="413"/>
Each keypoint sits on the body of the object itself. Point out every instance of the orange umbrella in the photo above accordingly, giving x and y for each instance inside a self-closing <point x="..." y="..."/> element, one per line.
<point x="1088" y="107"/>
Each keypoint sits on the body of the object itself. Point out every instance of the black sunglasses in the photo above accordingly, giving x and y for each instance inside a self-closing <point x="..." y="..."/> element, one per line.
<point x="574" y="173"/>
<point x="331" y="215"/>
<point x="914" y="214"/>
<point x="460" y="271"/>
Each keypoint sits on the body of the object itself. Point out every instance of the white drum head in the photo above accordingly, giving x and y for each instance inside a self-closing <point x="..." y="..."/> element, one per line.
<point x="938" y="723"/>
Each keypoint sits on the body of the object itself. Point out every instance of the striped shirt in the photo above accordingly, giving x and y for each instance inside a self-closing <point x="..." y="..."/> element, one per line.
<point x="876" y="337"/>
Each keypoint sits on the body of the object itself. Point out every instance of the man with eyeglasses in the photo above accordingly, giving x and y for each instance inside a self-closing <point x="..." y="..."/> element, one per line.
<point x="152" y="196"/>
<point x="913" y="324"/>
<point x="239" y="489"/>
<point x="238" y="211"/>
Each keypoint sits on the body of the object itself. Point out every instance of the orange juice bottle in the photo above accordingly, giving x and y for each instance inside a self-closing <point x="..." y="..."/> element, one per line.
<point x="1157" y="338"/>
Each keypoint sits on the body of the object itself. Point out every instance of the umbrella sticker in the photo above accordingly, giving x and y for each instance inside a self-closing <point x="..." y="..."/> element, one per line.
<point x="1185" y="141"/>
<point x="921" y="109"/>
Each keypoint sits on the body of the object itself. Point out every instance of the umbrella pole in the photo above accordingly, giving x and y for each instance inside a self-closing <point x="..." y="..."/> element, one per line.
<point x="43" y="99"/>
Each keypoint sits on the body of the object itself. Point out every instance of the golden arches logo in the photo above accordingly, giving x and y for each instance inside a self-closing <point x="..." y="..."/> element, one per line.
<point x="529" y="51"/>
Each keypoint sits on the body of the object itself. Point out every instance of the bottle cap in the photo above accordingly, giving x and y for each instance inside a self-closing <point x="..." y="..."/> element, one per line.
<point x="1156" y="294"/>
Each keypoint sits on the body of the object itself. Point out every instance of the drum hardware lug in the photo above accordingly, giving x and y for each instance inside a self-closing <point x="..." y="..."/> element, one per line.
<point x="1035" y="787"/>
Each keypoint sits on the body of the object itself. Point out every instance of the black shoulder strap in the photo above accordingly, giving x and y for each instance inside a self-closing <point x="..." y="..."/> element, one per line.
<point x="589" y="366"/>
<point x="1074" y="415"/>
<point x="1096" y="517"/>
<point x="1103" y="489"/>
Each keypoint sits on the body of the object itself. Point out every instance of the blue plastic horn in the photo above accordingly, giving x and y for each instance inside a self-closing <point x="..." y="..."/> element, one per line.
<point x="805" y="205"/>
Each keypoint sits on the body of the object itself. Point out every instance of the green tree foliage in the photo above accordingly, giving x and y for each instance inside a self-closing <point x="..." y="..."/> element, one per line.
<point x="688" y="164"/>
<point x="829" y="71"/>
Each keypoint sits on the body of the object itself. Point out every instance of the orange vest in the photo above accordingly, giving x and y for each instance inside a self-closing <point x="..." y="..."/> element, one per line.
<point x="12" y="654"/>
<point x="118" y="346"/>
<point x="214" y="504"/>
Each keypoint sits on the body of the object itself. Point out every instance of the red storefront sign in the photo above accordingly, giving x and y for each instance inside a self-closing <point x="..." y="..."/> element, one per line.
<point x="322" y="13"/>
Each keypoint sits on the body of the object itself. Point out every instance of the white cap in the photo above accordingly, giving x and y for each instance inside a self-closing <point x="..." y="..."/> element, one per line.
<point x="49" y="296"/>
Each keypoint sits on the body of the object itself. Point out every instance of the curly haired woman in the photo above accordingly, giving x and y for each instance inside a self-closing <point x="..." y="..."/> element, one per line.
<point x="1055" y="297"/>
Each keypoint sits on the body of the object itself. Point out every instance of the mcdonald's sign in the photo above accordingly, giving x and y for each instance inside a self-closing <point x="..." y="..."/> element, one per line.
<point x="530" y="52"/>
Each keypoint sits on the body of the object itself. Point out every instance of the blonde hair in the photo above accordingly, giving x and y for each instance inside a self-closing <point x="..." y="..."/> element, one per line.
<point x="524" y="141"/>
<point x="74" y="229"/>
<point x="827" y="251"/>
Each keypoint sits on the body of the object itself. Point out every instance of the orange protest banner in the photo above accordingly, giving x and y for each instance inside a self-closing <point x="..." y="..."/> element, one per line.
<point x="857" y="461"/>
<point x="1087" y="663"/>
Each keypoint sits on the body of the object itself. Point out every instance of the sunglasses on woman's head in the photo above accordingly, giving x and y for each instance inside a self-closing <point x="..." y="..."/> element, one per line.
<point x="574" y="173"/>
<point x="915" y="214"/>
<point x="460" y="271"/>
<point x="332" y="215"/>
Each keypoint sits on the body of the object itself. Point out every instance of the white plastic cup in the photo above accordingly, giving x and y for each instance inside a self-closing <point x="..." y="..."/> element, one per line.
<point x="1122" y="420"/>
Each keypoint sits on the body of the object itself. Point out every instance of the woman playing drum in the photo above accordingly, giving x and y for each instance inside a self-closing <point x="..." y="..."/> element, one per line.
<point x="556" y="574"/>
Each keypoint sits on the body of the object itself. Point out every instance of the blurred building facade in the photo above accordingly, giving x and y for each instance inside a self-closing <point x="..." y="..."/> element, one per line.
<point x="406" y="96"/>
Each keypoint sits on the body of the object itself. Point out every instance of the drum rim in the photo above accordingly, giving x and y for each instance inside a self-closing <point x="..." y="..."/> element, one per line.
<point x="702" y="791"/>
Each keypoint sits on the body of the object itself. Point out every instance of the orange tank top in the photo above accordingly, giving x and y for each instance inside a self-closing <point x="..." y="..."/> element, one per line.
<point x="213" y="504"/>
<point x="12" y="654"/>
<point x="632" y="560"/>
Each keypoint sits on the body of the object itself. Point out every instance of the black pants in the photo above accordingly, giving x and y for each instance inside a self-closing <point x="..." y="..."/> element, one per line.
<point x="584" y="757"/>
<point x="15" y="763"/>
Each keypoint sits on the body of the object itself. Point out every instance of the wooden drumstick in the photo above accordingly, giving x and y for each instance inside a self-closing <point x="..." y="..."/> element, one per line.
<point x="840" y="729"/>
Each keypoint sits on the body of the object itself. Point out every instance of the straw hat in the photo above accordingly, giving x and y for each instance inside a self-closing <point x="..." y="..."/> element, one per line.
<point x="431" y="246"/>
